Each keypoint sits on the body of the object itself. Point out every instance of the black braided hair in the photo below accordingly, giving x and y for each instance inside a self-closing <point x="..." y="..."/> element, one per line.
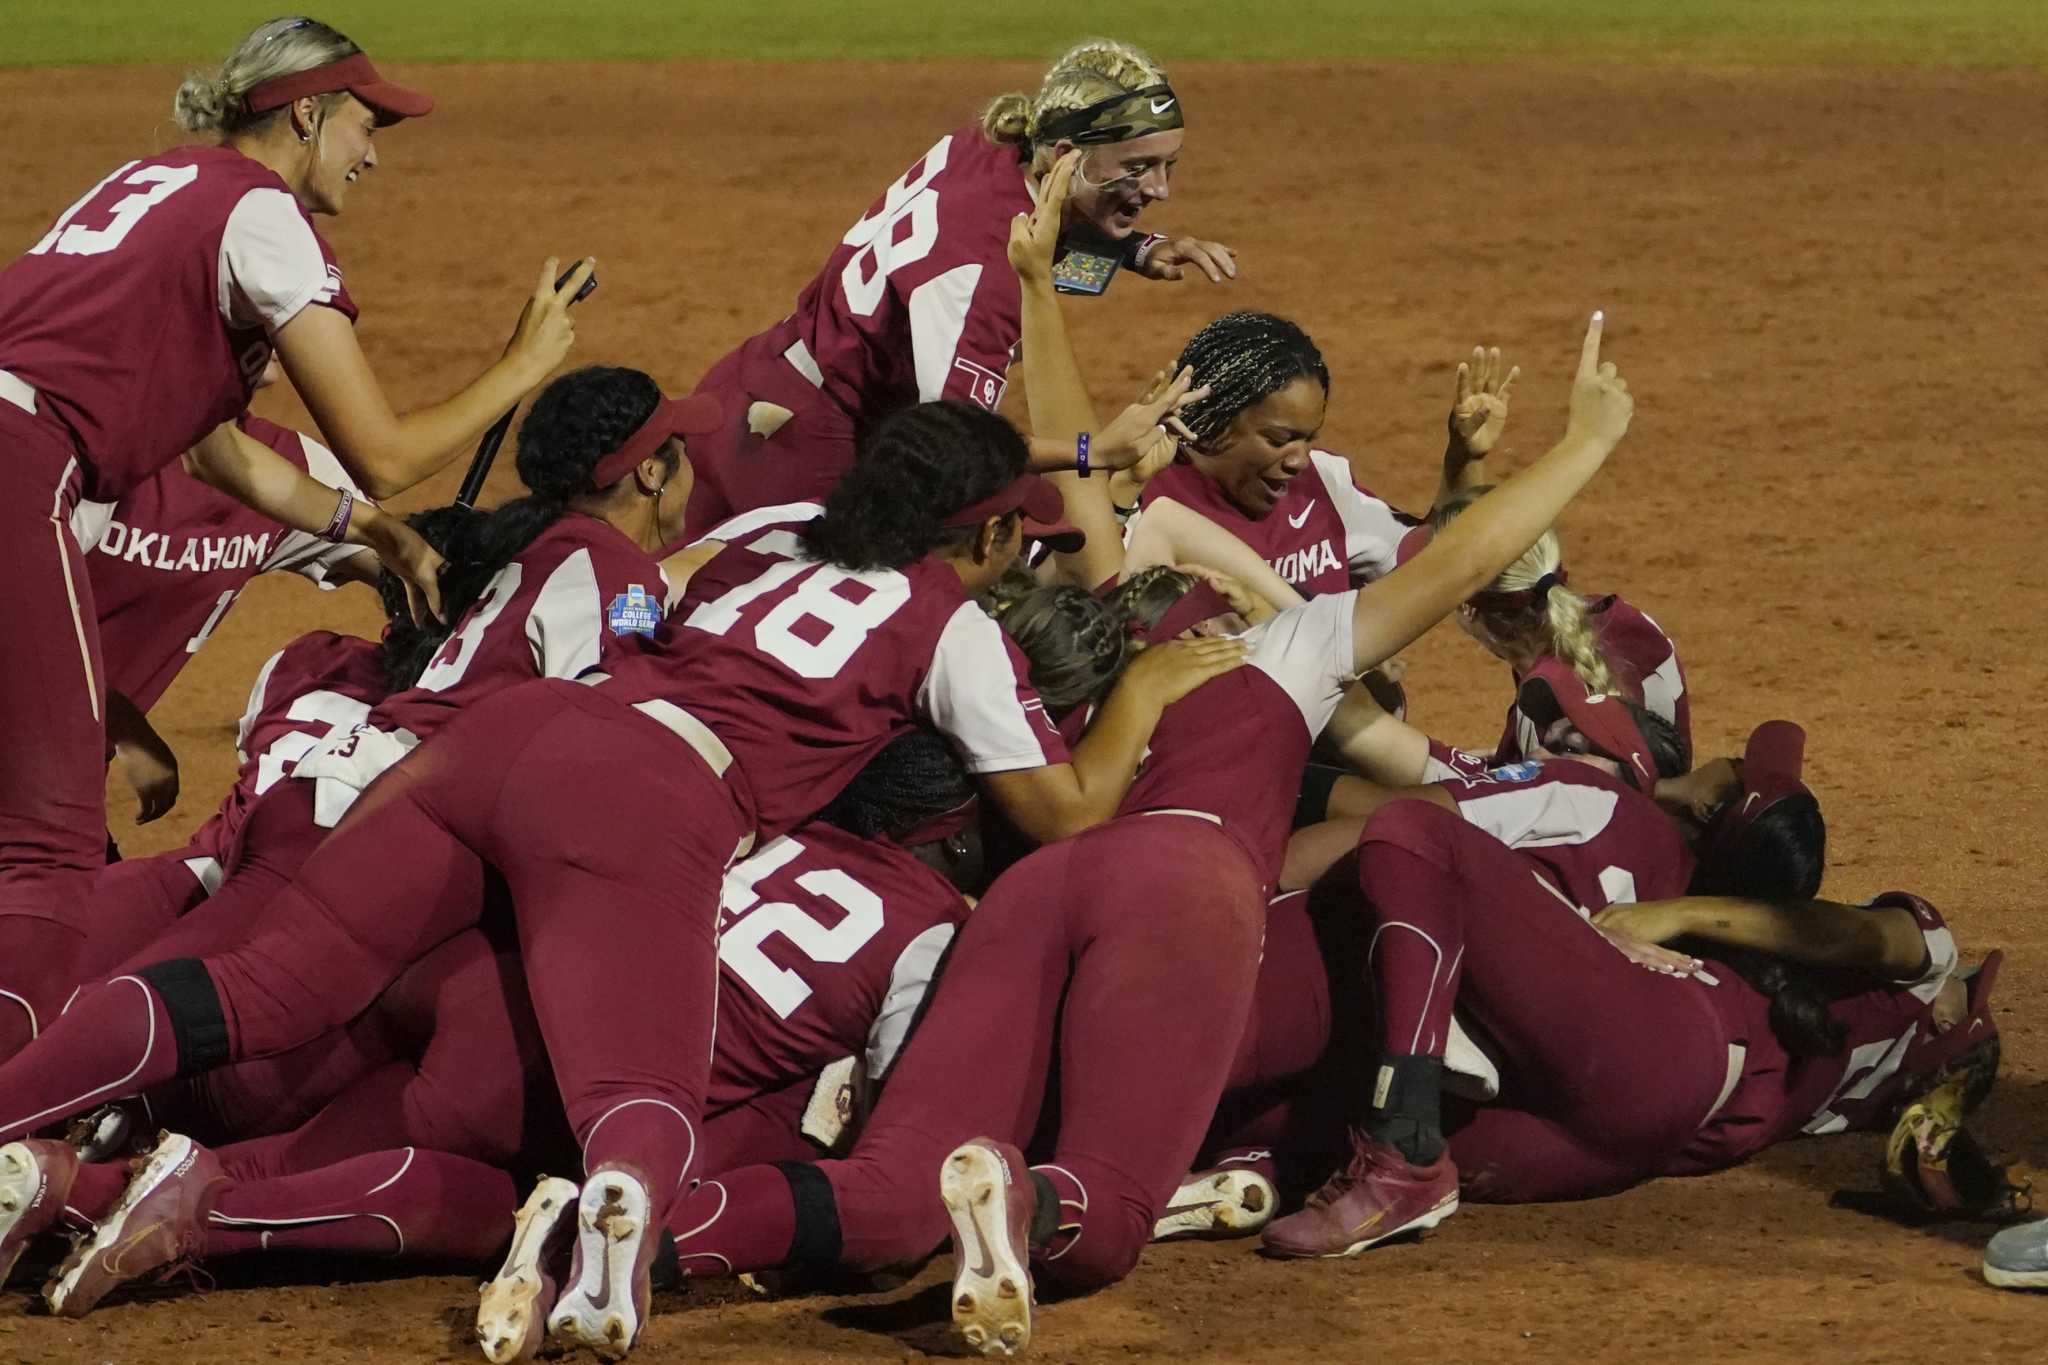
<point x="911" y="779"/>
<point x="408" y="646"/>
<point x="1147" y="595"/>
<point x="1074" y="641"/>
<point x="919" y="466"/>
<point x="1245" y="358"/>
<point x="576" y="421"/>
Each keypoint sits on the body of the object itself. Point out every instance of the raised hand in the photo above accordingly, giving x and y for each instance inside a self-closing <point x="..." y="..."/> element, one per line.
<point x="546" y="331"/>
<point x="1170" y="260"/>
<point x="1148" y="431"/>
<point x="1035" y="236"/>
<point x="1479" y="409"/>
<point x="1601" y="405"/>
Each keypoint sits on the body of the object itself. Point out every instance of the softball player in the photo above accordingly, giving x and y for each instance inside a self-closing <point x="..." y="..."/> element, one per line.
<point x="915" y="302"/>
<point x="132" y="333"/>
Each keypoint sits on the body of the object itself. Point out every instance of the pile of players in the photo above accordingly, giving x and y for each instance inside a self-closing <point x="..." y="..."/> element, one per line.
<point x="737" y="819"/>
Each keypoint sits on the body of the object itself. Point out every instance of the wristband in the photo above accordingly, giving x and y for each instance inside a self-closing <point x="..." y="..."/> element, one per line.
<point x="1081" y="454"/>
<point x="337" y="525"/>
<point x="1137" y="252"/>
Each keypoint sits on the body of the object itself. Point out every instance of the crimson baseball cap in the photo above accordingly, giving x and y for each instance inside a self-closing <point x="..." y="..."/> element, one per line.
<point x="353" y="73"/>
<point x="1552" y="691"/>
<point x="698" y="415"/>
<point x="1045" y="512"/>
<point x="1773" y="764"/>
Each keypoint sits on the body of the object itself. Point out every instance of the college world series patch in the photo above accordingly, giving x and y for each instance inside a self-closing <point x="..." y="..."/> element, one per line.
<point x="633" y="612"/>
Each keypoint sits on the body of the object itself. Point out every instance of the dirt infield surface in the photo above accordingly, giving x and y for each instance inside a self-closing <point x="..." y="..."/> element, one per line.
<point x="1823" y="287"/>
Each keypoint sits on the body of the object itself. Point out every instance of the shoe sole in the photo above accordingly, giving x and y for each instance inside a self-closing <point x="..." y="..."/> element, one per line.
<point x="599" y="1311"/>
<point x="991" y="1288"/>
<point x="1220" y="1204"/>
<point x="65" y="1293"/>
<point x="1421" y="1223"/>
<point x="510" y="1317"/>
<point x="2014" y="1279"/>
<point x="23" y="1186"/>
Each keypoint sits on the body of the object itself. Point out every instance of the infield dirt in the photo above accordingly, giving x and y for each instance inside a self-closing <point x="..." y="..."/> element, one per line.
<point x="1824" y="288"/>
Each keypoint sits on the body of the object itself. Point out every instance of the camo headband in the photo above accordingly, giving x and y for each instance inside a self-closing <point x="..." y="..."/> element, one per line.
<point x="1155" y="109"/>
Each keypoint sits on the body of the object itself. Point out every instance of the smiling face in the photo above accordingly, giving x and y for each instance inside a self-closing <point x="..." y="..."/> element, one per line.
<point x="340" y="151"/>
<point x="1117" y="181"/>
<point x="1265" y="447"/>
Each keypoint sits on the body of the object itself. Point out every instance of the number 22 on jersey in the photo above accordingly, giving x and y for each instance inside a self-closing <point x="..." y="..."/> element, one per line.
<point x="739" y="947"/>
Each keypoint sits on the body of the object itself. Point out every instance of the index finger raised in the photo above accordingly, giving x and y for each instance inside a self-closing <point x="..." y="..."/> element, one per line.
<point x="1589" y="353"/>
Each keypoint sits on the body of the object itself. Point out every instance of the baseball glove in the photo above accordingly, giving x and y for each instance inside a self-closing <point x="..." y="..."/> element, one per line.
<point x="1934" y="1166"/>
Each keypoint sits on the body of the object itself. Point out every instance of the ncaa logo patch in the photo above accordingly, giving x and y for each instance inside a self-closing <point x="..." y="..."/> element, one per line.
<point x="1514" y="772"/>
<point x="633" y="612"/>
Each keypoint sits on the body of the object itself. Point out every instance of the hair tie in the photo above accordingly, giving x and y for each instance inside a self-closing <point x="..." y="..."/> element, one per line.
<point x="1539" y="591"/>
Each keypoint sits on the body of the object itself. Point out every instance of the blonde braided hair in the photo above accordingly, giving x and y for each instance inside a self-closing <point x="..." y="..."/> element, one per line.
<point x="1087" y="72"/>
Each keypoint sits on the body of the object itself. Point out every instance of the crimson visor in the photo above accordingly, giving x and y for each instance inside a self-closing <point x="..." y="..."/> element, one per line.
<point x="698" y="415"/>
<point x="1044" y="512"/>
<point x="1552" y="690"/>
<point x="353" y="73"/>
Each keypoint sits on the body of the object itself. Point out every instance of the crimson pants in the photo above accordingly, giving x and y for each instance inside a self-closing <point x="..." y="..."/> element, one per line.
<point x="1134" y="947"/>
<point x="738" y="471"/>
<point x="52" y="725"/>
<point x="612" y="839"/>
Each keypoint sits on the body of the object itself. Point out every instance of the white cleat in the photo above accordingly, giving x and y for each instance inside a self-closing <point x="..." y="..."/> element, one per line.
<point x="605" y="1304"/>
<point x="1225" y="1201"/>
<point x="34" y="1178"/>
<point x="988" y="1194"/>
<point x="512" y="1308"/>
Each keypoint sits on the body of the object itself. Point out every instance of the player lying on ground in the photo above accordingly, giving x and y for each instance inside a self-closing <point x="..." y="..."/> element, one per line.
<point x="131" y="334"/>
<point x="1750" y="1048"/>
<point x="915" y="302"/>
<point x="399" y="1135"/>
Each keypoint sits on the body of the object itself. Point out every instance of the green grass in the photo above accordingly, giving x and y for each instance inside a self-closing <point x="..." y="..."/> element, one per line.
<point x="1712" y="32"/>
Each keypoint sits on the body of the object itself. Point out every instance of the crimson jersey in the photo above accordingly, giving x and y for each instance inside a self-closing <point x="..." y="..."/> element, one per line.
<point x="1776" y="1095"/>
<point x="1603" y="842"/>
<point x="173" y="554"/>
<point x="566" y="605"/>
<point x="918" y="301"/>
<point x="319" y="683"/>
<point x="1645" y="666"/>
<point x="804" y="670"/>
<point x="144" y="317"/>
<point x="827" y="945"/>
<point x="1235" y="747"/>
<point x="1325" y="534"/>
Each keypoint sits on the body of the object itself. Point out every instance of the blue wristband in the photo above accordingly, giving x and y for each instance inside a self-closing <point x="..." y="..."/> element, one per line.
<point x="1081" y="454"/>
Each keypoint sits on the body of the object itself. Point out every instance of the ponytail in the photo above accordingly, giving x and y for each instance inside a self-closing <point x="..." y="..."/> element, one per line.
<point x="217" y="101"/>
<point x="1097" y="69"/>
<point x="1558" y="624"/>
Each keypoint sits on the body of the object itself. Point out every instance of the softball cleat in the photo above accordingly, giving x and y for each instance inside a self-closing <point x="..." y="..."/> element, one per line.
<point x="606" y="1303"/>
<point x="1228" y="1201"/>
<point x="160" y="1221"/>
<point x="989" y="1196"/>
<point x="35" y="1175"/>
<point x="512" y="1308"/>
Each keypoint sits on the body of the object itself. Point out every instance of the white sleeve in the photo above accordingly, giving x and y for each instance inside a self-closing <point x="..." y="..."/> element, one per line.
<point x="975" y="697"/>
<point x="909" y="980"/>
<point x="1308" y="651"/>
<point x="255" y="706"/>
<point x="1665" y="685"/>
<point x="938" y="317"/>
<point x="566" y="623"/>
<point x="735" y="530"/>
<point x="271" y="265"/>
<point x="303" y="553"/>
<point x="1541" y="815"/>
<point x="1372" y="529"/>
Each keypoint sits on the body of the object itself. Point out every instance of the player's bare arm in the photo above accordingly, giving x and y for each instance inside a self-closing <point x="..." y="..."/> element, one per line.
<point x="145" y="760"/>
<point x="1885" y="940"/>
<point x="1479" y="414"/>
<point x="1060" y="800"/>
<point x="251" y="472"/>
<point x="387" y="451"/>
<point x="1393" y="611"/>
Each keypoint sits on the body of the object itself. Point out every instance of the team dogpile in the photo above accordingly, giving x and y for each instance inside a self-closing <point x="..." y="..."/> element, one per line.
<point x="818" y="822"/>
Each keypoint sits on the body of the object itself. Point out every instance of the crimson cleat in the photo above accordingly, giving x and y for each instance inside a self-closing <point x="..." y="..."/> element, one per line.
<point x="990" y="1197"/>
<point x="513" y="1307"/>
<point x="35" y="1176"/>
<point x="1379" y="1195"/>
<point x="159" y="1222"/>
<point x="606" y="1300"/>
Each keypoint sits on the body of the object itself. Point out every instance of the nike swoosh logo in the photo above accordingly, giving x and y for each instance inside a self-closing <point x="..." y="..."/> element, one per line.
<point x="1298" y="522"/>
<point x="112" y="1258"/>
<point x="1160" y="106"/>
<point x="603" y="1298"/>
<point x="987" y="1265"/>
